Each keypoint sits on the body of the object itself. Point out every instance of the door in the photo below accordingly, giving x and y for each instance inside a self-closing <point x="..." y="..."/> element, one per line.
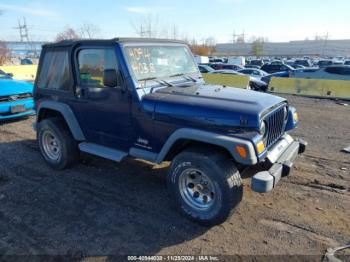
<point x="103" y="110"/>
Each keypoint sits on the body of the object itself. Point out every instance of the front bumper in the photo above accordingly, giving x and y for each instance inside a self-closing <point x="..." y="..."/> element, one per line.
<point x="281" y="157"/>
<point x="5" y="109"/>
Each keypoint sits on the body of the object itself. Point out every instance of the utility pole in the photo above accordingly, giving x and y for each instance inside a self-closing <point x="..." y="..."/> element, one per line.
<point x="24" y="35"/>
<point x="23" y="30"/>
<point x="141" y="31"/>
<point x="325" y="43"/>
<point x="234" y="37"/>
<point x="238" y="38"/>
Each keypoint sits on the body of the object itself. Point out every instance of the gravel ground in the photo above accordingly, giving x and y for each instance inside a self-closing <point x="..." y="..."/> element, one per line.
<point x="102" y="208"/>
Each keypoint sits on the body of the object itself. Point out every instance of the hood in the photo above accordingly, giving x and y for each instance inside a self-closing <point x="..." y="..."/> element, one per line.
<point x="13" y="87"/>
<point x="209" y="105"/>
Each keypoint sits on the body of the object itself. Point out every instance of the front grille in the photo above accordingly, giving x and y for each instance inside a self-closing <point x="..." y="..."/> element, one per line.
<point x="13" y="98"/>
<point x="275" y="124"/>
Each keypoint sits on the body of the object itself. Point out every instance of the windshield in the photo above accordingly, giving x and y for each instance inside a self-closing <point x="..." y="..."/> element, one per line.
<point x="3" y="75"/>
<point x="324" y="63"/>
<point x="151" y="62"/>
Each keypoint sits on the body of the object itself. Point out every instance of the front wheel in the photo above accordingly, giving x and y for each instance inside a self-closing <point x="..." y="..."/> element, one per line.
<point x="205" y="184"/>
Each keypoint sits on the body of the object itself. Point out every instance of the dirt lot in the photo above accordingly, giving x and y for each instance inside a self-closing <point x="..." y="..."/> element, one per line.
<point x="101" y="208"/>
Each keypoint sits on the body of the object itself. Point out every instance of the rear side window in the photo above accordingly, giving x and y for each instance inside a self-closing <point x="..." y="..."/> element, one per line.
<point x="93" y="63"/>
<point x="334" y="70"/>
<point x="345" y="71"/>
<point x="55" y="71"/>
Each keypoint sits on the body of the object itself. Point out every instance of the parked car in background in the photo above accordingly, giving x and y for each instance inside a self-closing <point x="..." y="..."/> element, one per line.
<point x="268" y="68"/>
<point x="303" y="62"/>
<point x="205" y="69"/>
<point x="298" y="66"/>
<point x="266" y="60"/>
<point x="257" y="62"/>
<point x="338" y="62"/>
<point x="201" y="59"/>
<point x="240" y="60"/>
<point x="341" y="72"/>
<point x="232" y="67"/>
<point x="347" y="62"/>
<point x="226" y="71"/>
<point x="254" y="83"/>
<point x="324" y="63"/>
<point x="216" y="60"/>
<point x="253" y="72"/>
<point x="222" y="66"/>
<point x="252" y="66"/>
<point x="267" y="78"/>
<point x="26" y="61"/>
<point x="216" y="66"/>
<point x="276" y="62"/>
<point x="16" y="98"/>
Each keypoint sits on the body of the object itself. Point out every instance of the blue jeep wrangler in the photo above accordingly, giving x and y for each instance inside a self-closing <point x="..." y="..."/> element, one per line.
<point x="145" y="98"/>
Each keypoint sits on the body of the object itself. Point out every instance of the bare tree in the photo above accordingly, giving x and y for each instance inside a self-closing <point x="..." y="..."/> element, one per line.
<point x="258" y="47"/>
<point x="68" y="34"/>
<point x="5" y="53"/>
<point x="88" y="31"/>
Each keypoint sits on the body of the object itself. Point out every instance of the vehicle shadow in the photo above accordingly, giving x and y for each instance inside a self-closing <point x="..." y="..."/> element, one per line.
<point x="14" y="120"/>
<point x="96" y="208"/>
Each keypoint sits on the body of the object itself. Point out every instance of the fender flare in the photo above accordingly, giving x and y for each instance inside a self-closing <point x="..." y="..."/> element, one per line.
<point x="226" y="142"/>
<point x="67" y="114"/>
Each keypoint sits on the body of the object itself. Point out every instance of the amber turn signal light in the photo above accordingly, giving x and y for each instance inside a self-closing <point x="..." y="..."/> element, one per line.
<point x="241" y="151"/>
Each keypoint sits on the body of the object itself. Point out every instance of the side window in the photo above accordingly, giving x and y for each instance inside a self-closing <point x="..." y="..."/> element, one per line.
<point x="345" y="71"/>
<point x="93" y="63"/>
<point x="333" y="70"/>
<point x="55" y="71"/>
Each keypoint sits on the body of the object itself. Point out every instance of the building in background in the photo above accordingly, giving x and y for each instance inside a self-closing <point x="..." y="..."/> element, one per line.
<point x="329" y="48"/>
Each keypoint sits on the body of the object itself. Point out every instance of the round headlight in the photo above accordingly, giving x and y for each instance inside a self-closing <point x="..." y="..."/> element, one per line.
<point x="263" y="129"/>
<point x="285" y="113"/>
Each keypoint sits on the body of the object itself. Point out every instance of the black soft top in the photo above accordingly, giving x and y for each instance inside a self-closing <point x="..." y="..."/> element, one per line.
<point x="72" y="43"/>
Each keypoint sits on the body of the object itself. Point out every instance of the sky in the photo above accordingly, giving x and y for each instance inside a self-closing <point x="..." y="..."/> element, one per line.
<point x="276" y="20"/>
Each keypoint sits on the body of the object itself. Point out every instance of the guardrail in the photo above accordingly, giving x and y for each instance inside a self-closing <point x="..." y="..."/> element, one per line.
<point x="336" y="89"/>
<point x="21" y="72"/>
<point x="227" y="80"/>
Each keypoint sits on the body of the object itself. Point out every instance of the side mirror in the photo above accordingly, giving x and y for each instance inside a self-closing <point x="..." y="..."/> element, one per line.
<point x="110" y="78"/>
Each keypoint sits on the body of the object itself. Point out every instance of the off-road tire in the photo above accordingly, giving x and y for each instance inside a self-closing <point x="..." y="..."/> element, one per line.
<point x="225" y="179"/>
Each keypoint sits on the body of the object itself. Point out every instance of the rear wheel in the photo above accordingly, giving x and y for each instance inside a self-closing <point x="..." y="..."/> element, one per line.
<point x="56" y="143"/>
<point x="205" y="184"/>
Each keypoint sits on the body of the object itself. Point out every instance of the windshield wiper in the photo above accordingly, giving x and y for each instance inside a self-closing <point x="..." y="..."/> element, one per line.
<point x="155" y="79"/>
<point x="147" y="78"/>
<point x="180" y="74"/>
<point x="187" y="77"/>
